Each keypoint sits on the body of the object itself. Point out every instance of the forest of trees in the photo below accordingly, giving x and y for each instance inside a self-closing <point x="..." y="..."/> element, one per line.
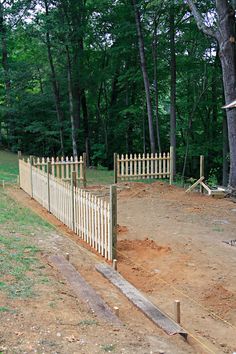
<point x="126" y="76"/>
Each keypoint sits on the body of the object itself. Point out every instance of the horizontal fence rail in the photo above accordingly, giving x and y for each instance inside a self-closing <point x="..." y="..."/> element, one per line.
<point x="145" y="166"/>
<point x="89" y="216"/>
<point x="61" y="167"/>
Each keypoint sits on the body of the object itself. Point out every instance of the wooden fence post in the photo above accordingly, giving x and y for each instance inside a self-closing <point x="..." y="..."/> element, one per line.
<point x="48" y="181"/>
<point x="171" y="165"/>
<point x="201" y="171"/>
<point x="115" y="167"/>
<point x="31" y="161"/>
<point x="19" y="157"/>
<point x="73" y="184"/>
<point x="113" y="222"/>
<point x="84" y="169"/>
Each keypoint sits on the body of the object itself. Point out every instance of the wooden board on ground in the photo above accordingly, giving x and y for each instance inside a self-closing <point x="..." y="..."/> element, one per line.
<point x="83" y="290"/>
<point x="146" y="306"/>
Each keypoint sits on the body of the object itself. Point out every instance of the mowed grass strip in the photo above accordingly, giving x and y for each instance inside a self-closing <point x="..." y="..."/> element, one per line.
<point x="18" y="254"/>
<point x="9" y="169"/>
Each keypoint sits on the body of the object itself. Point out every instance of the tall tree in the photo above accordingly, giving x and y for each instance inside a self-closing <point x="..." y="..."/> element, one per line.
<point x="224" y="33"/>
<point x="172" y="84"/>
<point x="145" y="75"/>
<point x="55" y="84"/>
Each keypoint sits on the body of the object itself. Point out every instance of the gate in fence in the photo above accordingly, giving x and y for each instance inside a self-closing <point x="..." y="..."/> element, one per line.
<point x="91" y="217"/>
<point x="145" y="166"/>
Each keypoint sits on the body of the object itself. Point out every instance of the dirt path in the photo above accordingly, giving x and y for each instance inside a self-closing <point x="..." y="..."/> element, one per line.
<point x="67" y="325"/>
<point x="170" y="247"/>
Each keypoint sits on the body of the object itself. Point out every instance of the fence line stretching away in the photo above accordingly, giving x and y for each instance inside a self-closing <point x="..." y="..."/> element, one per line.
<point x="137" y="166"/>
<point x="89" y="216"/>
<point x="62" y="167"/>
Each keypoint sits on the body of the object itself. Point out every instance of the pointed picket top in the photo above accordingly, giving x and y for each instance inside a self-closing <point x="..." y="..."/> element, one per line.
<point x="28" y="160"/>
<point x="48" y="159"/>
<point x="139" y="156"/>
<point x="71" y="159"/>
<point x="76" y="158"/>
<point x="151" y="155"/>
<point x="53" y="160"/>
<point x="148" y="155"/>
<point x="122" y="157"/>
<point x="57" y="159"/>
<point x="67" y="158"/>
<point x="143" y="156"/>
<point x="131" y="156"/>
<point x="164" y="155"/>
<point x="81" y="159"/>
<point x="38" y="160"/>
<point x="168" y="155"/>
<point x="118" y="156"/>
<point x="135" y="156"/>
<point x="62" y="159"/>
<point x="156" y="155"/>
<point x="43" y="160"/>
<point x="126" y="156"/>
<point x="159" y="155"/>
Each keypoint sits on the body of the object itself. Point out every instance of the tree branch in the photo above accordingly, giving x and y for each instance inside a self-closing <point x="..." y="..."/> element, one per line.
<point x="200" y="22"/>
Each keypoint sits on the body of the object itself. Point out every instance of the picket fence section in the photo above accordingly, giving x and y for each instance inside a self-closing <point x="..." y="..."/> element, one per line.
<point x="137" y="166"/>
<point x="63" y="167"/>
<point x="89" y="216"/>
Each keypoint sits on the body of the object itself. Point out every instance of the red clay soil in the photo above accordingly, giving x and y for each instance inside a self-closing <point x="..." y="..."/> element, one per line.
<point x="170" y="246"/>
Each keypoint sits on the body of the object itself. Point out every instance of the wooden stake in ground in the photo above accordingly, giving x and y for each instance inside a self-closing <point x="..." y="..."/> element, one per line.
<point x="114" y="264"/>
<point x="177" y="311"/>
<point x="201" y="171"/>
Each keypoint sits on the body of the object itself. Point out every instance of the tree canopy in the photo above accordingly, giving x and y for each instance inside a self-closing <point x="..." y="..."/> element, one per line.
<point x="106" y="76"/>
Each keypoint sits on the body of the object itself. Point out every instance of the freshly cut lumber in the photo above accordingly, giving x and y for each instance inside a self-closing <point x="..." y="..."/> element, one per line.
<point x="83" y="290"/>
<point x="146" y="306"/>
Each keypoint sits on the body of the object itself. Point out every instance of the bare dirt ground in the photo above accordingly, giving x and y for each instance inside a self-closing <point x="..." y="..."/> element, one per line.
<point x="170" y="246"/>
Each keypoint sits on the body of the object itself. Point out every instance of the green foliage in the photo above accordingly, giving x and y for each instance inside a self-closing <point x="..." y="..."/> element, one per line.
<point x="102" y="43"/>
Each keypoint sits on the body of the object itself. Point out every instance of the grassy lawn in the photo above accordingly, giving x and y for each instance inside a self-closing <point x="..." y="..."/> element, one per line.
<point x="18" y="256"/>
<point x="8" y="167"/>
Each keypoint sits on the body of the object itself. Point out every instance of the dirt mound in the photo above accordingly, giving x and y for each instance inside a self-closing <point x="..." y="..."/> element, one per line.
<point x="122" y="228"/>
<point x="141" y="245"/>
<point x="219" y="299"/>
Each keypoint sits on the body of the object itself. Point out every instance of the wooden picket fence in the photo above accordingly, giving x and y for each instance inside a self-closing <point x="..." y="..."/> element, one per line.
<point x="145" y="166"/>
<point x="63" y="167"/>
<point x="89" y="216"/>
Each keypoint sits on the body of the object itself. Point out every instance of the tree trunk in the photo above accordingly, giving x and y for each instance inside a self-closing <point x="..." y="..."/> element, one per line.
<point x="71" y="104"/>
<point x="225" y="35"/>
<point x="154" y="54"/>
<point x="55" y="86"/>
<point x="225" y="173"/>
<point x="5" y="66"/>
<point x="172" y="86"/>
<point x="226" y="39"/>
<point x="86" y="125"/>
<point x="145" y="75"/>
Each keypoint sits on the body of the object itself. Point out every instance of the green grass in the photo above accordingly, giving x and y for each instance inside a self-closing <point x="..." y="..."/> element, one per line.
<point x="4" y="309"/>
<point x="17" y="260"/>
<point x="8" y="166"/>
<point x="20" y="218"/>
<point x="98" y="176"/>
<point x="108" y="347"/>
<point x="19" y="264"/>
